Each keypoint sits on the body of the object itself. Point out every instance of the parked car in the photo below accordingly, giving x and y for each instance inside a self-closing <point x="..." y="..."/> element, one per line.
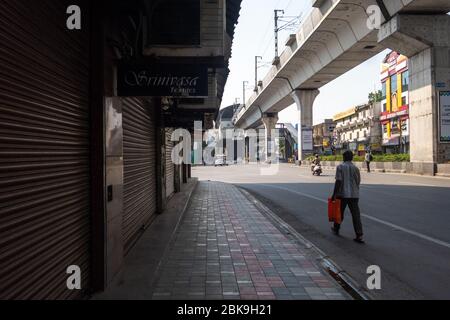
<point x="220" y="160"/>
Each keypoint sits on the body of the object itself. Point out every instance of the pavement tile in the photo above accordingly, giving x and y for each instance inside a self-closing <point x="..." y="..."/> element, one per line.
<point x="226" y="249"/>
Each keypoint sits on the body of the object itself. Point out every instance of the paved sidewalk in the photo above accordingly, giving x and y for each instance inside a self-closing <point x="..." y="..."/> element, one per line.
<point x="226" y="249"/>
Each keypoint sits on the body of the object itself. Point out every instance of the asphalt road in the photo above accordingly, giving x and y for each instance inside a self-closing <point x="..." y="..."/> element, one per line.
<point x="406" y="220"/>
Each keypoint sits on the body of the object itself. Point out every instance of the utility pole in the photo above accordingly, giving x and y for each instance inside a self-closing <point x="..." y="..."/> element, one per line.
<point x="244" y="83"/>
<point x="276" y="30"/>
<point x="256" y="72"/>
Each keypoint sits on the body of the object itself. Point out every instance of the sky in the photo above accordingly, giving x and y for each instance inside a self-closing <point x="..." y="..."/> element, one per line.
<point x="255" y="37"/>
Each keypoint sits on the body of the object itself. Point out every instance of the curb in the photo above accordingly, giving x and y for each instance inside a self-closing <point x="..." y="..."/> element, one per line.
<point x="177" y="226"/>
<point x="340" y="276"/>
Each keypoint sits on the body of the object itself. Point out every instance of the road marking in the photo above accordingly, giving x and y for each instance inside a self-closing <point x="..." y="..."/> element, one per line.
<point x="412" y="184"/>
<point x="411" y="232"/>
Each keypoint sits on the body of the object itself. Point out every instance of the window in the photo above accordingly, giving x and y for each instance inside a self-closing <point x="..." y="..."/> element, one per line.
<point x="383" y="91"/>
<point x="394" y="84"/>
<point x="351" y="136"/>
<point x="405" y="81"/>
<point x="404" y="125"/>
<point x="384" y="107"/>
<point x="395" y="126"/>
<point x="175" y="22"/>
<point x="404" y="102"/>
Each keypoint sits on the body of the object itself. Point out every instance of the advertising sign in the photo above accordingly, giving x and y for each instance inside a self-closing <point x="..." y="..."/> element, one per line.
<point x="403" y="111"/>
<point x="308" y="144"/>
<point x="162" y="80"/>
<point x="444" y="116"/>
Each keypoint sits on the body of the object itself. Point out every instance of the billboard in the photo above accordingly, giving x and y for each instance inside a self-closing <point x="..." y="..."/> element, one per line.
<point x="444" y="116"/>
<point x="308" y="144"/>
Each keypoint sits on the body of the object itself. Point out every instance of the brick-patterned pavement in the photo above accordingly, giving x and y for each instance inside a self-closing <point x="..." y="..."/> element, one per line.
<point x="226" y="249"/>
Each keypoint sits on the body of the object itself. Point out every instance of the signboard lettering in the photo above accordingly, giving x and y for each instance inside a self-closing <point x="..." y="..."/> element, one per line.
<point x="169" y="80"/>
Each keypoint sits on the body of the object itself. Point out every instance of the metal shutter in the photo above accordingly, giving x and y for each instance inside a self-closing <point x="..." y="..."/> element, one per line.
<point x="139" y="137"/>
<point x="170" y="167"/>
<point x="44" y="150"/>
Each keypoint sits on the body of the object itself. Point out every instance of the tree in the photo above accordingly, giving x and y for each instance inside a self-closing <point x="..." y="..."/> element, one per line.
<point x="376" y="96"/>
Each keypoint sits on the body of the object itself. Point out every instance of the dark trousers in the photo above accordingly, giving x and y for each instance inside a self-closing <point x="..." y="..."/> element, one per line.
<point x="368" y="166"/>
<point x="353" y="205"/>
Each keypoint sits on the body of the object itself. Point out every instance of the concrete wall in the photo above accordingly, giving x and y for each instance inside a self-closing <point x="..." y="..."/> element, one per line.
<point x="423" y="114"/>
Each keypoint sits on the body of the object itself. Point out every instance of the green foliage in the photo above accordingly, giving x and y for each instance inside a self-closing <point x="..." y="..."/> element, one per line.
<point x="376" y="96"/>
<point x="376" y="158"/>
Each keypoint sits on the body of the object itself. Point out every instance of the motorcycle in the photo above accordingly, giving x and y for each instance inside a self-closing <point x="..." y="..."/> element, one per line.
<point x="317" y="170"/>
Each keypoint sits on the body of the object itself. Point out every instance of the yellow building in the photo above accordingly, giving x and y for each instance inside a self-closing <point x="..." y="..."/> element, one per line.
<point x="395" y="104"/>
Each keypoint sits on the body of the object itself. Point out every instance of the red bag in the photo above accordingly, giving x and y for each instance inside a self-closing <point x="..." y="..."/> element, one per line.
<point x="334" y="211"/>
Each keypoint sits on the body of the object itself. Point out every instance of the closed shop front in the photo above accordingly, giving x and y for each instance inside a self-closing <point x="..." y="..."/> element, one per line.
<point x="44" y="150"/>
<point x="170" y="167"/>
<point x="139" y="143"/>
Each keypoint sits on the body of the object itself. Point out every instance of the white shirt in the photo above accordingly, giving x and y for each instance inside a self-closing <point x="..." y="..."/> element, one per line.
<point x="350" y="177"/>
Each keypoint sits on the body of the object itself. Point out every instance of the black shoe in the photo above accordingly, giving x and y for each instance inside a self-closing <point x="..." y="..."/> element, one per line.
<point x="335" y="230"/>
<point x="359" y="240"/>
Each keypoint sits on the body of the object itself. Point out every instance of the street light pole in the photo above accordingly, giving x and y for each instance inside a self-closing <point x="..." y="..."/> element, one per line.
<point x="256" y="72"/>
<point x="244" y="83"/>
<point x="276" y="30"/>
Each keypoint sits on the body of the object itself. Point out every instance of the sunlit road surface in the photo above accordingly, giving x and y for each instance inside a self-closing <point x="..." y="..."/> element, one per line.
<point x="406" y="220"/>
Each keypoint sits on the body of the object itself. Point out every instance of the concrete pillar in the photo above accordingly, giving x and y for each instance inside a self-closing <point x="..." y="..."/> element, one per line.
<point x="270" y="122"/>
<point x="426" y="41"/>
<point x="304" y="99"/>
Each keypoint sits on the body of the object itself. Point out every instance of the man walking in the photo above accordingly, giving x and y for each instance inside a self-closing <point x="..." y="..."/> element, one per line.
<point x="348" y="180"/>
<point x="368" y="159"/>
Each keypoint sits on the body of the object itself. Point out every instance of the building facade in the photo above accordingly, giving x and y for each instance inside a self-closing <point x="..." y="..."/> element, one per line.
<point x="86" y="120"/>
<point x="358" y="129"/>
<point x="395" y="104"/>
<point x="323" y="137"/>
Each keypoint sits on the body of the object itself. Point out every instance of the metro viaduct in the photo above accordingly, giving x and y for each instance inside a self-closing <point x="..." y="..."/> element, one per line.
<point x="336" y="37"/>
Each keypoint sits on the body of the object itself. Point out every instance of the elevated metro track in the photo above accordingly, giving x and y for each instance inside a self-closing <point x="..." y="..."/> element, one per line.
<point x="333" y="39"/>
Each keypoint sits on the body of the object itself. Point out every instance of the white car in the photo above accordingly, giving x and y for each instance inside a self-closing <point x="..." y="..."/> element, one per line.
<point x="220" y="160"/>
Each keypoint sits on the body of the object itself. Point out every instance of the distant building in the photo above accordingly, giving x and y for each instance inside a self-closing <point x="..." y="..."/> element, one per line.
<point x="323" y="137"/>
<point x="358" y="129"/>
<point x="225" y="117"/>
<point x="224" y="123"/>
<point x="395" y="105"/>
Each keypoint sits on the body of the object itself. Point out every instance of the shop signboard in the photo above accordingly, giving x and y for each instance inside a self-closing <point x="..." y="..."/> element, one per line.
<point x="162" y="80"/>
<point x="404" y="111"/>
<point x="375" y="147"/>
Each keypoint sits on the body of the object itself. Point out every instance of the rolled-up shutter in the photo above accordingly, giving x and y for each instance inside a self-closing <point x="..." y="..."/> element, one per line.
<point x="139" y="168"/>
<point x="44" y="150"/>
<point x="170" y="167"/>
